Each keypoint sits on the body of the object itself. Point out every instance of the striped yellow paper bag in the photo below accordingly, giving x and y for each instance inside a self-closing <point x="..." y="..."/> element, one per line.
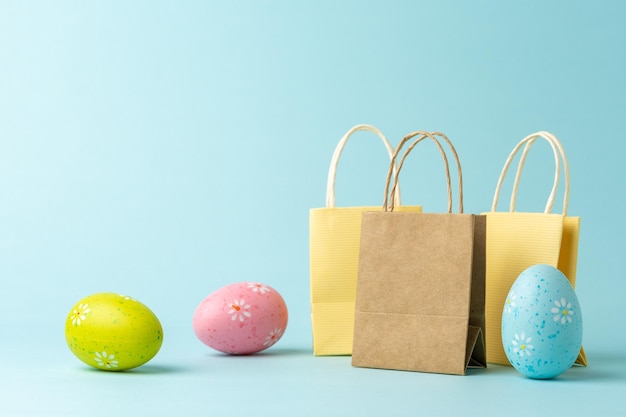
<point x="516" y="241"/>
<point x="334" y="238"/>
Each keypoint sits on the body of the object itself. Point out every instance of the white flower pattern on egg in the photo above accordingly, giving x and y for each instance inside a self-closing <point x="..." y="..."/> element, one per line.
<point x="563" y="311"/>
<point x="272" y="337"/>
<point x="509" y="304"/>
<point x="79" y="314"/>
<point x="239" y="310"/>
<point x="260" y="288"/>
<point x="522" y="344"/>
<point x="105" y="360"/>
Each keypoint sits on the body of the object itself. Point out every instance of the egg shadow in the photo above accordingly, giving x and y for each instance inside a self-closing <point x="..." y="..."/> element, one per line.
<point x="278" y="352"/>
<point x="157" y="369"/>
<point x="140" y="370"/>
<point x="601" y="367"/>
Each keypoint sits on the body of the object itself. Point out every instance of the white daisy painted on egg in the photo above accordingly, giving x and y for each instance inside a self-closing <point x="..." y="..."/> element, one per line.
<point x="257" y="287"/>
<point x="105" y="360"/>
<point x="563" y="311"/>
<point x="79" y="314"/>
<point x="509" y="304"/>
<point x="272" y="337"/>
<point x="239" y="310"/>
<point x="522" y="344"/>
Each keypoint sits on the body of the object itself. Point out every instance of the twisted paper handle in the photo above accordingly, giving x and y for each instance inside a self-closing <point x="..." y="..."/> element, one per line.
<point x="421" y="135"/>
<point x="559" y="155"/>
<point x="332" y="171"/>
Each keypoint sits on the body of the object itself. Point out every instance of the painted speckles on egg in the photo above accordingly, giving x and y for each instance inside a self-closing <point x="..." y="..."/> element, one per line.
<point x="241" y="318"/>
<point x="541" y="323"/>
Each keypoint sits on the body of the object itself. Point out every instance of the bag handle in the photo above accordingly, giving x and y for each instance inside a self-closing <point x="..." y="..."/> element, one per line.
<point x="559" y="154"/>
<point x="332" y="171"/>
<point x="563" y="157"/>
<point x="421" y="136"/>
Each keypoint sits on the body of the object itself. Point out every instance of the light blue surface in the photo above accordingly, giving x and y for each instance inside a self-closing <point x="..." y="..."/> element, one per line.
<point x="165" y="149"/>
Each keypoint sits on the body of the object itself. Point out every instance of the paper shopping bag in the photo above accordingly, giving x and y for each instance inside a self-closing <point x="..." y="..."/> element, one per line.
<point x="334" y="248"/>
<point x="420" y="288"/>
<point x="516" y="241"/>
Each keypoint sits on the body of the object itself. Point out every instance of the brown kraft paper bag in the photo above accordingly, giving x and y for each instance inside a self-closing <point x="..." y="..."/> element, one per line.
<point x="421" y="284"/>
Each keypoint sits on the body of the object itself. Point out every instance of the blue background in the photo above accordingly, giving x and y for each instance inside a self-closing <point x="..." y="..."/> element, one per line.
<point x="165" y="149"/>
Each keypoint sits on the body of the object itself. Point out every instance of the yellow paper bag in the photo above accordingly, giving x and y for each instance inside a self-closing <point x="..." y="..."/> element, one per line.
<point x="335" y="234"/>
<point x="516" y="241"/>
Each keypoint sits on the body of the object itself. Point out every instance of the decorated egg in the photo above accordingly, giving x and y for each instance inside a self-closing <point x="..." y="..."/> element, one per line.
<point x="112" y="332"/>
<point x="241" y="318"/>
<point x="542" y="325"/>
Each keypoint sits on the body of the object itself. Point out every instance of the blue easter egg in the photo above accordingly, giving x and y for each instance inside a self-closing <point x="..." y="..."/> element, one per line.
<point x="542" y="326"/>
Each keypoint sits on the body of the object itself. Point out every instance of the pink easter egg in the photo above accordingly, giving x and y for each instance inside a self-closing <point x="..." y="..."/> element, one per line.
<point x="241" y="318"/>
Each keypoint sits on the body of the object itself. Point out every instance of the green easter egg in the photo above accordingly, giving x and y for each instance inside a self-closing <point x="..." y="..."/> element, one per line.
<point x="113" y="332"/>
